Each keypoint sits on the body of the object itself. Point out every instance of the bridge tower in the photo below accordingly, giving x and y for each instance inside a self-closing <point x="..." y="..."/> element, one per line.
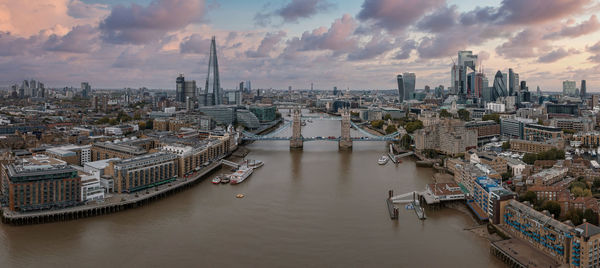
<point x="296" y="141"/>
<point x="345" y="142"/>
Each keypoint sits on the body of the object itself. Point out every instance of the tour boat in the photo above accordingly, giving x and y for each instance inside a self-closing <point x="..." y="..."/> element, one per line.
<point x="216" y="180"/>
<point x="240" y="175"/>
<point x="225" y="179"/>
<point x="383" y="160"/>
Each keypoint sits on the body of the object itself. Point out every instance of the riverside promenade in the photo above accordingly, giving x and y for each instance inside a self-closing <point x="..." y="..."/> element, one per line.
<point x="115" y="203"/>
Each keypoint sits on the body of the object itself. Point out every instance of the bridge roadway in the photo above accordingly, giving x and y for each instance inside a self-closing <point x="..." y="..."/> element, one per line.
<point x="381" y="138"/>
<point x="117" y="202"/>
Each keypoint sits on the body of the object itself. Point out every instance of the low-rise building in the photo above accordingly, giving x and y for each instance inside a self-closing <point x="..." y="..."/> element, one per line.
<point x="529" y="146"/>
<point x="91" y="189"/>
<point x="548" y="177"/>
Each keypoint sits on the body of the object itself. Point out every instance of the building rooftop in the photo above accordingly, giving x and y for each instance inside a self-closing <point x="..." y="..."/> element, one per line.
<point x="37" y="165"/>
<point x="587" y="230"/>
<point x="145" y="160"/>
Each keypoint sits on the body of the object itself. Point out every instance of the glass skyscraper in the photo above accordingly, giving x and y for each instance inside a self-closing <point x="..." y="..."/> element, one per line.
<point x="213" y="95"/>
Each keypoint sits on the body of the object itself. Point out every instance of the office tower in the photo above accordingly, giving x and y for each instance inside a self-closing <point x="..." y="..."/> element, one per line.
<point x="499" y="86"/>
<point x="427" y="89"/>
<point x="400" y="88"/>
<point x="311" y="86"/>
<point x="241" y="88"/>
<point x="248" y="87"/>
<point x="180" y="88"/>
<point x="517" y="86"/>
<point x="583" y="89"/>
<point x="467" y="62"/>
<point x="511" y="82"/>
<point x="290" y="89"/>
<point x="335" y="91"/>
<point x="471" y="84"/>
<point x="439" y="91"/>
<point x="478" y="85"/>
<point x="409" y="85"/>
<point x="42" y="90"/>
<point x="213" y="84"/>
<point x="85" y="89"/>
<point x="538" y="91"/>
<point x="569" y="88"/>
<point x="189" y="90"/>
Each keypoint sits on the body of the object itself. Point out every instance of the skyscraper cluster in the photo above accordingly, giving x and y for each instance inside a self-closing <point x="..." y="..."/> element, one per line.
<point x="462" y="71"/>
<point x="187" y="92"/>
<point x="570" y="89"/>
<point x="33" y="89"/>
<point x="86" y="89"/>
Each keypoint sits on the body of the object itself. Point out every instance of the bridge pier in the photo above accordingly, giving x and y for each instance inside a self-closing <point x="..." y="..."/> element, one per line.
<point x="345" y="142"/>
<point x="296" y="141"/>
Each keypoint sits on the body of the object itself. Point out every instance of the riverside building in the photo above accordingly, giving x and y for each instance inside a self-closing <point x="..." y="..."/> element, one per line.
<point x="138" y="173"/>
<point x="39" y="183"/>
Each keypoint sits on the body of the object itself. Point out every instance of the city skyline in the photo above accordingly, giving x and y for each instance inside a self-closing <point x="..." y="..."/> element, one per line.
<point x="349" y="44"/>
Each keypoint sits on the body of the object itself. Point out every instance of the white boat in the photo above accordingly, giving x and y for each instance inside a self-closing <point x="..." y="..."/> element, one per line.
<point x="383" y="160"/>
<point x="254" y="163"/>
<point x="240" y="175"/>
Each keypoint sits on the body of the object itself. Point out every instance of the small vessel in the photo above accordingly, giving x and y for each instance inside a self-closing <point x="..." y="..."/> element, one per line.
<point x="225" y="180"/>
<point x="216" y="180"/>
<point x="240" y="175"/>
<point x="254" y="163"/>
<point x="239" y="195"/>
<point x="383" y="160"/>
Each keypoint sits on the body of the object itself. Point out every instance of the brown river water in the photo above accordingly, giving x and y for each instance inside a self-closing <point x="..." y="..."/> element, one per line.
<point x="313" y="208"/>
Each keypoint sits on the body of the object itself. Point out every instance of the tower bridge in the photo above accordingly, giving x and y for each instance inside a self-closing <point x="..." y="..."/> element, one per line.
<point x="297" y="140"/>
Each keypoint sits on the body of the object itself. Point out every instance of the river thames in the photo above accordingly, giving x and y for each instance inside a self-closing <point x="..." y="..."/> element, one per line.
<point x="317" y="207"/>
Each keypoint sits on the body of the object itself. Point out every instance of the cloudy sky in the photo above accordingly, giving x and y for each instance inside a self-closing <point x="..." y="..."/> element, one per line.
<point x="356" y="44"/>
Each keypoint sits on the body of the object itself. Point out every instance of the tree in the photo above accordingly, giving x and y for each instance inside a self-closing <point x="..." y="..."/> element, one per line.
<point x="103" y="120"/>
<point x="553" y="207"/>
<point x="137" y="115"/>
<point x="464" y="115"/>
<point x="505" y="145"/>
<point x="529" y="158"/>
<point x="540" y="122"/>
<point x="529" y="196"/>
<point x="506" y="175"/>
<point x="387" y="117"/>
<point x="494" y="116"/>
<point x="412" y="126"/>
<point x="150" y="124"/>
<point x="445" y="113"/>
<point x="575" y="215"/>
<point x="142" y="125"/>
<point x="113" y="121"/>
<point x="390" y="129"/>
<point x="590" y="216"/>
<point x="406" y="141"/>
<point x="377" y="123"/>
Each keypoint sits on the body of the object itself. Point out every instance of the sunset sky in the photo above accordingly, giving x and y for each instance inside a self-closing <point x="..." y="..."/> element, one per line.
<point x="356" y="44"/>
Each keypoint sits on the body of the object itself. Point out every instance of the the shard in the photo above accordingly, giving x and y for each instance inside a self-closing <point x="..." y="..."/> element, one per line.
<point x="213" y="85"/>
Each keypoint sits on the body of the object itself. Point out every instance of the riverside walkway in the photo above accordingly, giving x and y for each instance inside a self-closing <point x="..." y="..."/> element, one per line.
<point x="117" y="202"/>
